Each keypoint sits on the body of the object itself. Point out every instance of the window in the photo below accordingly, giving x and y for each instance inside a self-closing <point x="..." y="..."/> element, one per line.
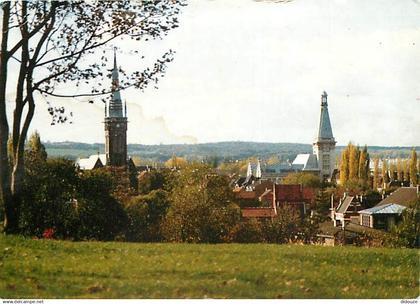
<point x="366" y="220"/>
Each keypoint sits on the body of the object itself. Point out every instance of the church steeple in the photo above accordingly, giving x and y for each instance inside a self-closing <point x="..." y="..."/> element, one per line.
<point x="116" y="124"/>
<point x="324" y="145"/>
<point x="325" y="130"/>
<point x="115" y="106"/>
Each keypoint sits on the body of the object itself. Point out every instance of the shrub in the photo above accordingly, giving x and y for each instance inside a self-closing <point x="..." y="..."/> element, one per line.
<point x="145" y="213"/>
<point x="248" y="231"/>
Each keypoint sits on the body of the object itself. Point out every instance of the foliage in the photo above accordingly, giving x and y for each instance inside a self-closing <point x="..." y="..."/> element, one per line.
<point x="176" y="162"/>
<point x="101" y="216"/>
<point x="76" y="205"/>
<point x="302" y="178"/>
<point x="201" y="208"/>
<point x="48" y="199"/>
<point x="35" y="152"/>
<point x="354" y="167"/>
<point x="53" y="42"/>
<point x="145" y="214"/>
<point x="153" y="180"/>
<point x="60" y="269"/>
<point x="249" y="231"/>
<point x="407" y="232"/>
<point x="413" y="168"/>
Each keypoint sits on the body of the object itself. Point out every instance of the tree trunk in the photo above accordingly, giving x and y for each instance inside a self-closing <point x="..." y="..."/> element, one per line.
<point x="10" y="215"/>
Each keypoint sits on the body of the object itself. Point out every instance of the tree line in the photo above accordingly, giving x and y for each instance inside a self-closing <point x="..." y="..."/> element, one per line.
<point x="355" y="169"/>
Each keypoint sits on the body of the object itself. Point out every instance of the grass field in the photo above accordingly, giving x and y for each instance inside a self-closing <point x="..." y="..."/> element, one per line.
<point x="58" y="269"/>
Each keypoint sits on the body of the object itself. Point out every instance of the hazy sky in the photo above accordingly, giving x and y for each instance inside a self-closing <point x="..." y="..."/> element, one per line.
<point x="255" y="71"/>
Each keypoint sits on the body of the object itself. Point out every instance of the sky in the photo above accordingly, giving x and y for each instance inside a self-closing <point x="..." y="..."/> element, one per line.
<point x="255" y="71"/>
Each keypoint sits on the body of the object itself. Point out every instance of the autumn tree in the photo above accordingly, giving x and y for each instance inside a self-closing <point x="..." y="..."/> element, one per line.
<point x="413" y="168"/>
<point x="353" y="162"/>
<point x="392" y="171"/>
<point x="376" y="181"/>
<point x="364" y="169"/>
<point x="51" y="42"/>
<point x="406" y="170"/>
<point x="400" y="173"/>
<point x="385" y="176"/>
<point x="344" y="166"/>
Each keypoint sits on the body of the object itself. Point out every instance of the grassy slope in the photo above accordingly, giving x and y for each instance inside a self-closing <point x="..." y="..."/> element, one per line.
<point x="57" y="269"/>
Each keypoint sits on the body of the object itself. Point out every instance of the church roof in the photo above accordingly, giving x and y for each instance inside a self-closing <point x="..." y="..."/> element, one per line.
<point x="325" y="130"/>
<point x="305" y="162"/>
<point x="92" y="162"/>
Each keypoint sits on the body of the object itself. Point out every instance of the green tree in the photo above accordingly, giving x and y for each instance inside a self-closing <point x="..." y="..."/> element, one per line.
<point x="407" y="232"/>
<point x="35" y="153"/>
<point x="249" y="231"/>
<point x="152" y="180"/>
<point x="201" y="208"/>
<point x="302" y="178"/>
<point x="146" y="213"/>
<point x="413" y="168"/>
<point x="76" y="30"/>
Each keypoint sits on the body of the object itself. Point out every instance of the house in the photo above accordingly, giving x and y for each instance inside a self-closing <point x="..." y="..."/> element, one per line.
<point x="346" y="211"/>
<point x="300" y="197"/>
<point x="388" y="211"/>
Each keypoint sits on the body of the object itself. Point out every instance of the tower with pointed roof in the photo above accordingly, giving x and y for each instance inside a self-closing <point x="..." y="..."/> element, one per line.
<point x="115" y="124"/>
<point x="324" y="145"/>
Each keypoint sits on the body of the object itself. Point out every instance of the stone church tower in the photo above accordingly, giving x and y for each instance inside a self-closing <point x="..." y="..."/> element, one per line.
<point x="115" y="125"/>
<point x="324" y="145"/>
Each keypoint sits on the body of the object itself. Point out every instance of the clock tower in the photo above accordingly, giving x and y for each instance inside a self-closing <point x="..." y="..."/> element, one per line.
<point x="115" y="125"/>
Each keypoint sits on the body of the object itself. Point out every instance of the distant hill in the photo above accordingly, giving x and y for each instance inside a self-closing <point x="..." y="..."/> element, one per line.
<point x="230" y="150"/>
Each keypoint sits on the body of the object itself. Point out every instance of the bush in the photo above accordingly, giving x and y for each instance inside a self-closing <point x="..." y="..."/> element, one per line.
<point x="407" y="232"/>
<point x="248" y="231"/>
<point x="145" y="213"/>
<point x="201" y="208"/>
<point x="75" y="205"/>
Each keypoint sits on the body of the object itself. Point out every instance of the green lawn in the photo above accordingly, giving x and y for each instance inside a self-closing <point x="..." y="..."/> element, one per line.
<point x="57" y="269"/>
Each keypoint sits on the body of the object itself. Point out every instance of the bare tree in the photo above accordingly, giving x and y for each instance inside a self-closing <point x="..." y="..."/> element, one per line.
<point x="49" y="40"/>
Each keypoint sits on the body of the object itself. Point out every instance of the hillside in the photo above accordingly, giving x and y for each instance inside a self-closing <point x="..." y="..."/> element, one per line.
<point x="62" y="269"/>
<point x="223" y="150"/>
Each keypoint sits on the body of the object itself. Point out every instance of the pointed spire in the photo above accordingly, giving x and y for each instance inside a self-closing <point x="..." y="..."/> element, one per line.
<point x="258" y="170"/>
<point x="325" y="130"/>
<point x="115" y="108"/>
<point x="115" y="81"/>
<point x="249" y="170"/>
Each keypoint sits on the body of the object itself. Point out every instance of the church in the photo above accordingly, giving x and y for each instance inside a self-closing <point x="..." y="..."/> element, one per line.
<point x="115" y="132"/>
<point x="322" y="160"/>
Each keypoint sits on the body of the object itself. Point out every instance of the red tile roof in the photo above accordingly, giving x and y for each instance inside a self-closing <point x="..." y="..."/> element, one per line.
<point x="294" y="193"/>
